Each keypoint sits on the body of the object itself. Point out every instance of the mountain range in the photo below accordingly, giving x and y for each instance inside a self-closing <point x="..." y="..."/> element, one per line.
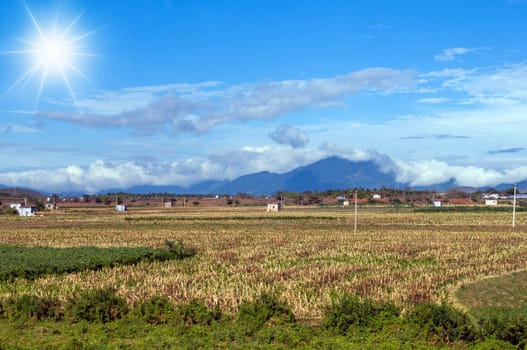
<point x="325" y="174"/>
<point x="332" y="173"/>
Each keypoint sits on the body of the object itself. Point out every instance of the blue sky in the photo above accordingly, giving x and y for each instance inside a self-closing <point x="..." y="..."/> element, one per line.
<point x="176" y="92"/>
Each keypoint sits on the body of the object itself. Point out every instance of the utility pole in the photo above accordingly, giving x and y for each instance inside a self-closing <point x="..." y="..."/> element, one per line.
<point x="514" y="208"/>
<point x="355" y="226"/>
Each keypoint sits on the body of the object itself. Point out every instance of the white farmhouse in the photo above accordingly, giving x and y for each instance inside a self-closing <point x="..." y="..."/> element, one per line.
<point x="26" y="211"/>
<point x="274" y="207"/>
<point x="23" y="210"/>
<point x="121" y="207"/>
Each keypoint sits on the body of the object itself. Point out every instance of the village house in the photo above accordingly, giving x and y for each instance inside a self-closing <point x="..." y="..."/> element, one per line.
<point x="274" y="207"/>
<point x="121" y="207"/>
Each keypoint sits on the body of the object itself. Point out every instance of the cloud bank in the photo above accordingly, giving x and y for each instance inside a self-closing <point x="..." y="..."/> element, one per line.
<point x="201" y="107"/>
<point x="101" y="175"/>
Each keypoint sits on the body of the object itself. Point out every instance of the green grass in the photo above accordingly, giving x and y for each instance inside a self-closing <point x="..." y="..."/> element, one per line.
<point x="31" y="322"/>
<point x="502" y="291"/>
<point x="498" y="306"/>
<point x="33" y="262"/>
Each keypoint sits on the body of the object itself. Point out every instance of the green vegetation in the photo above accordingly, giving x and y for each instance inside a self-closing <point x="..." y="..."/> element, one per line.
<point x="8" y="211"/>
<point x="33" y="262"/>
<point x="498" y="306"/>
<point x="348" y="312"/>
<point x="99" y="305"/>
<point x="442" y="323"/>
<point x="501" y="291"/>
<point x="100" y="319"/>
<point x="253" y="315"/>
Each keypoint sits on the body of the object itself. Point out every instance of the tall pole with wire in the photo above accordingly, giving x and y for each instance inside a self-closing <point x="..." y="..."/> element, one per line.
<point x="355" y="226"/>
<point x="514" y="208"/>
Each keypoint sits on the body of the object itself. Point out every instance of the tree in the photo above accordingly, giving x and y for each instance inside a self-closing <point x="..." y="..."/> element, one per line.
<point x="39" y="205"/>
<point x="476" y="196"/>
<point x="456" y="193"/>
<point x="509" y="191"/>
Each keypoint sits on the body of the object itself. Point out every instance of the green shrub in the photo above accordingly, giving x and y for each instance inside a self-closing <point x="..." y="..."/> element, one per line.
<point x="33" y="262"/>
<point x="442" y="321"/>
<point x="178" y="250"/>
<point x="195" y="312"/>
<point x="29" y="307"/>
<point x="157" y="310"/>
<point x="348" y="312"/>
<point x="267" y="308"/>
<point x="505" y="324"/>
<point x="8" y="211"/>
<point x="100" y="305"/>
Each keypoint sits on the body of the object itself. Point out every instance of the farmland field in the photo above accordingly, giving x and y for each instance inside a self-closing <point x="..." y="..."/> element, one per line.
<point x="305" y="255"/>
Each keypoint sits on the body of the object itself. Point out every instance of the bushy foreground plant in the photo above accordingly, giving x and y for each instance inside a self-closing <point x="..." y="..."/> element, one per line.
<point x="269" y="320"/>
<point x="349" y="312"/>
<point x="157" y="310"/>
<point x="505" y="324"/>
<point x="28" y="307"/>
<point x="442" y="322"/>
<point x="99" y="305"/>
<point x="196" y="312"/>
<point x="265" y="309"/>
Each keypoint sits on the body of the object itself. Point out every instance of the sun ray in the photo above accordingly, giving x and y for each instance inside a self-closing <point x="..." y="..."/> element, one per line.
<point x="71" y="91"/>
<point x="73" y="68"/>
<point x="65" y="31"/>
<point x="82" y="36"/>
<point x="41" y="85"/>
<point x="27" y="75"/>
<point x="35" y="23"/>
<point x="16" y="52"/>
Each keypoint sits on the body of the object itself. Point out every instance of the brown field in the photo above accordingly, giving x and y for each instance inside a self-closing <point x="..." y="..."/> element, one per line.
<point x="305" y="255"/>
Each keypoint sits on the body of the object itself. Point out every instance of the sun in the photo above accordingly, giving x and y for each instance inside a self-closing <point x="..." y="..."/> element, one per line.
<point x="53" y="53"/>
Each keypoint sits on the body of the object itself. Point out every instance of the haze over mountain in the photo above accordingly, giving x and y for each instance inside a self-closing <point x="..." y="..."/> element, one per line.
<point x="328" y="173"/>
<point x="325" y="174"/>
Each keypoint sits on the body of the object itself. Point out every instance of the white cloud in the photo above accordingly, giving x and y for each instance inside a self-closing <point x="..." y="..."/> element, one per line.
<point x="289" y="135"/>
<point x="430" y="172"/>
<point x="17" y="128"/>
<point x="206" y="106"/>
<point x="451" y="54"/>
<point x="502" y="85"/>
<point x="434" y="100"/>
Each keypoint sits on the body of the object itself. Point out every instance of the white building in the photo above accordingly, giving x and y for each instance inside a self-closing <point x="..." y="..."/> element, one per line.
<point x="26" y="211"/>
<point x="491" y="202"/>
<point x="121" y="207"/>
<point x="274" y="207"/>
<point x="437" y="204"/>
